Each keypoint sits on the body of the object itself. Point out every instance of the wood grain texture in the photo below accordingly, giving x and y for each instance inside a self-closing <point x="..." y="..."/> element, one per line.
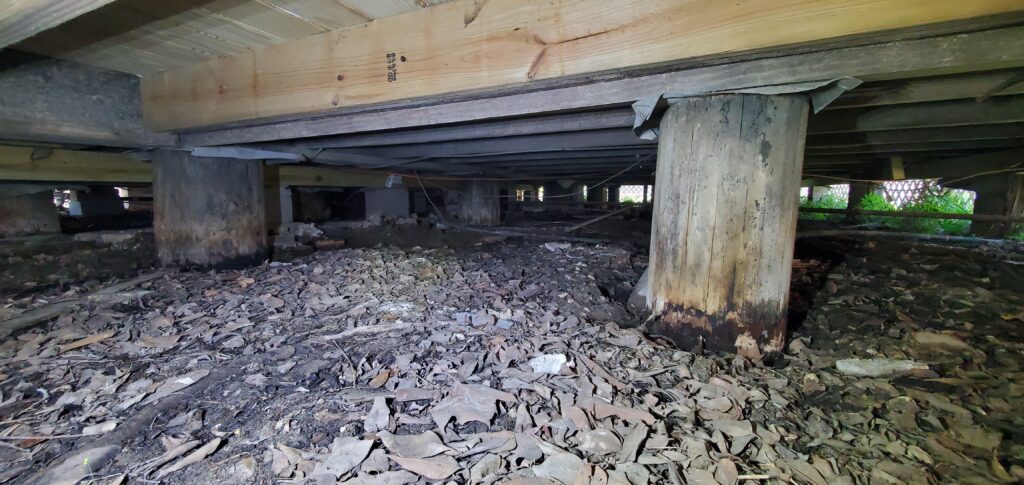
<point x="147" y="36"/>
<point x="21" y="19"/>
<point x="479" y="204"/>
<point x="983" y="50"/>
<point x="26" y="164"/>
<point x="48" y="165"/>
<point x="725" y="219"/>
<point x="477" y="44"/>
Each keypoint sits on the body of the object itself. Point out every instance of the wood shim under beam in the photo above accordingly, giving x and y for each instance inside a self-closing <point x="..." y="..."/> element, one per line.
<point x="481" y="44"/>
<point x="21" y="19"/>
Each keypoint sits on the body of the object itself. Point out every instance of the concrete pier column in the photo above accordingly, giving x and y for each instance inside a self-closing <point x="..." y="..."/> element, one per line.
<point x="596" y="197"/>
<point x="387" y="202"/>
<point x="858" y="190"/>
<point x="479" y="204"/>
<point x="613" y="196"/>
<point x="279" y="209"/>
<point x="99" y="200"/>
<point x="1001" y="195"/>
<point x="208" y="212"/>
<point x="724" y="220"/>
<point x="563" y="194"/>
<point x="27" y="210"/>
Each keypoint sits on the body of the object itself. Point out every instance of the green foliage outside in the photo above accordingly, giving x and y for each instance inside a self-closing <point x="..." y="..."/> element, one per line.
<point x="876" y="202"/>
<point x="949" y="202"/>
<point x="1017" y="234"/>
<point x="828" y="201"/>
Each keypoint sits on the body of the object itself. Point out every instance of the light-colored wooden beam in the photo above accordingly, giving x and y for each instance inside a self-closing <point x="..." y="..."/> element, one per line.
<point x="482" y="44"/>
<point x="26" y="164"/>
<point x="902" y="59"/>
<point x="21" y="19"/>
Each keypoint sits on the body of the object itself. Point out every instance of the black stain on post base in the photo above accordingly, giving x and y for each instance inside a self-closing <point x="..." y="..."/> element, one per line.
<point x="752" y="331"/>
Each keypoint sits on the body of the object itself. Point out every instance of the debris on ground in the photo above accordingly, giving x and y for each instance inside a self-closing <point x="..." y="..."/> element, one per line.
<point x="295" y="234"/>
<point x="513" y="363"/>
<point x="61" y="261"/>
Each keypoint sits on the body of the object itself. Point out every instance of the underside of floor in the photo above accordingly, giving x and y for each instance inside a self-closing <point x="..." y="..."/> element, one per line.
<point x="484" y="358"/>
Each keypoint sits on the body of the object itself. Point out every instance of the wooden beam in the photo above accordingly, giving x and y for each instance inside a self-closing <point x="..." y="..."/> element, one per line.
<point x="597" y="120"/>
<point x="991" y="49"/>
<point x="930" y="146"/>
<point x="941" y="88"/>
<point x="21" y="19"/>
<point x="26" y="164"/>
<point x="613" y="137"/>
<point x="319" y="176"/>
<point x="979" y="50"/>
<point x="475" y="45"/>
<point x="917" y="135"/>
<point x="49" y="100"/>
<point x="961" y="167"/>
<point x="1004" y="109"/>
<point x="859" y="125"/>
<point x="49" y="165"/>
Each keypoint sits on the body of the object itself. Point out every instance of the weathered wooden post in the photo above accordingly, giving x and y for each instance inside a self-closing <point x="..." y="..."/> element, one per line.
<point x="208" y="212"/>
<point x="1001" y="195"/>
<point x="725" y="220"/>
<point x="479" y="204"/>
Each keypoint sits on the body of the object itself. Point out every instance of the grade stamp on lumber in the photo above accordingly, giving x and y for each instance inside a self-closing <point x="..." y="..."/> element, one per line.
<point x="481" y="44"/>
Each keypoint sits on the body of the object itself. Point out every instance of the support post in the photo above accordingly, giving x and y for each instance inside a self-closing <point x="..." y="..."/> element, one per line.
<point x="313" y="205"/>
<point x="479" y="204"/>
<point x="725" y="220"/>
<point x="99" y="200"/>
<point x="209" y="212"/>
<point x="280" y="211"/>
<point x="859" y="190"/>
<point x="26" y="210"/>
<point x="613" y="196"/>
<point x="388" y="202"/>
<point x="595" y="197"/>
<point x="1001" y="195"/>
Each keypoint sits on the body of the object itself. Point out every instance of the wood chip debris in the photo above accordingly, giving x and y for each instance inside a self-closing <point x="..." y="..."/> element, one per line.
<point x="518" y="363"/>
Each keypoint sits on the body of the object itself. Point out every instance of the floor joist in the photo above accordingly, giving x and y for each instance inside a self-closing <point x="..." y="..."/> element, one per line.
<point x="21" y="19"/>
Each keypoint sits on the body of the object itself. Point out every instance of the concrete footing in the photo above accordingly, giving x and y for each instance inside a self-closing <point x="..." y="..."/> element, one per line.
<point x="208" y="212"/>
<point x="26" y="211"/>
<point x="725" y="211"/>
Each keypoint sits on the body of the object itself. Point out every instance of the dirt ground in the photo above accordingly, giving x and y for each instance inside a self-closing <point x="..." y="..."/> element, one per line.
<point x="61" y="261"/>
<point x="517" y="361"/>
